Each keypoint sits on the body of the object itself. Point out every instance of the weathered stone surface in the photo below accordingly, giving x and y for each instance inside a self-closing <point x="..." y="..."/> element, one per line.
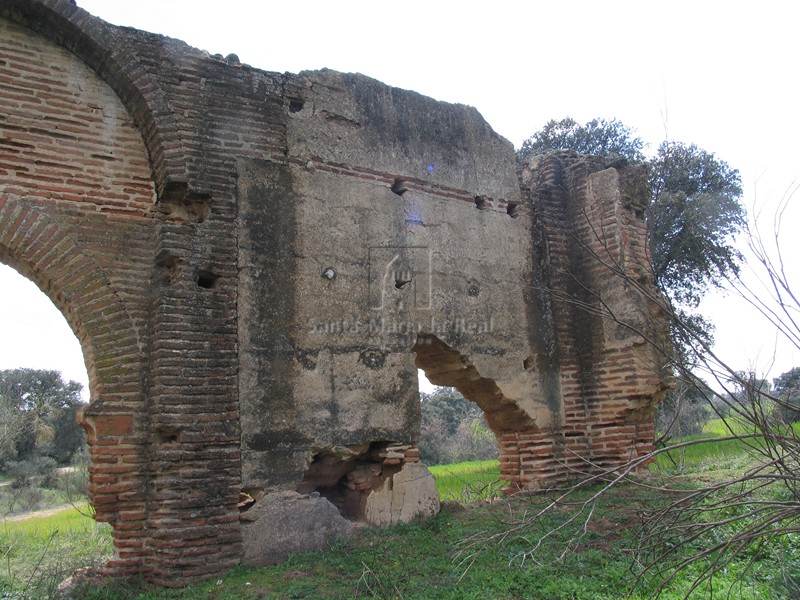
<point x="256" y="264"/>
<point x="405" y="496"/>
<point x="284" y="522"/>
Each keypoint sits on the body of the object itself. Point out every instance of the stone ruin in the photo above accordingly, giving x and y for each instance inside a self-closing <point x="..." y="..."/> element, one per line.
<point x="256" y="264"/>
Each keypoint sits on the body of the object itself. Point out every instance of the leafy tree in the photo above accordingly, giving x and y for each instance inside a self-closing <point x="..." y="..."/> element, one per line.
<point x="38" y="415"/>
<point x="448" y="405"/>
<point x="786" y="388"/>
<point x="598" y="136"/>
<point x="692" y="219"/>
<point x="695" y="208"/>
<point x="69" y="437"/>
<point x="453" y="429"/>
<point x="40" y="470"/>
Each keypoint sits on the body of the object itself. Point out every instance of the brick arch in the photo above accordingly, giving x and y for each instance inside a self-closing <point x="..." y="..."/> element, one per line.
<point x="444" y="366"/>
<point x="95" y="43"/>
<point x="38" y="248"/>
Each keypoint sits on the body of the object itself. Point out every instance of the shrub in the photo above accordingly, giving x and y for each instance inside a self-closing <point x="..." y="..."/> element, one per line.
<point x="37" y="471"/>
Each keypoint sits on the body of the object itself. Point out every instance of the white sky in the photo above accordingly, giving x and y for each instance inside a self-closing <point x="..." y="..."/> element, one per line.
<point x="719" y="74"/>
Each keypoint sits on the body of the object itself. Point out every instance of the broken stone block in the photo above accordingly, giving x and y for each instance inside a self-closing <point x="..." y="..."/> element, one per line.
<point x="284" y="522"/>
<point x="407" y="495"/>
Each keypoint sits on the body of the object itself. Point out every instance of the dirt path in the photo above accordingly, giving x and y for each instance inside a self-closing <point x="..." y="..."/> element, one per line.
<point x="45" y="512"/>
<point x="36" y="513"/>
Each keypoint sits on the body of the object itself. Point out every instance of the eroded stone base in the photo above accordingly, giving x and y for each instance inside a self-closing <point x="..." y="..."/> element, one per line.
<point x="409" y="494"/>
<point x="284" y="522"/>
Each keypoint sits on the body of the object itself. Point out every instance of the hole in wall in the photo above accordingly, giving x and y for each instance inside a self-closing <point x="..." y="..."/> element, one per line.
<point x="168" y="267"/>
<point x="253" y="492"/>
<point x="374" y="359"/>
<point x="444" y="366"/>
<point x="482" y="203"/>
<point x="206" y="279"/>
<point x="296" y="105"/>
<point x="245" y="502"/>
<point x="402" y="280"/>
<point x="347" y="474"/>
<point x="166" y="435"/>
<point x="513" y="209"/>
<point x="179" y="204"/>
<point x="462" y="413"/>
<point x="399" y="187"/>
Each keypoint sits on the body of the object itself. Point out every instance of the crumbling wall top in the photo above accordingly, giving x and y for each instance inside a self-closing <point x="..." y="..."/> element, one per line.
<point x="356" y="120"/>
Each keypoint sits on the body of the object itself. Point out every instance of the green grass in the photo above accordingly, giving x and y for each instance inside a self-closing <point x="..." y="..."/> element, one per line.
<point x="73" y="519"/>
<point x="728" y="426"/>
<point x="468" y="481"/>
<point x="39" y="553"/>
<point x="735" y="425"/>
<point x="713" y="455"/>
<point x="421" y="560"/>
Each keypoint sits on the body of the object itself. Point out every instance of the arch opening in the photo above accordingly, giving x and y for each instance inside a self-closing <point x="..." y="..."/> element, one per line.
<point x="453" y="429"/>
<point x="40" y="248"/>
<point x="37" y="333"/>
<point x="446" y="367"/>
<point x="41" y="287"/>
<point x="43" y="390"/>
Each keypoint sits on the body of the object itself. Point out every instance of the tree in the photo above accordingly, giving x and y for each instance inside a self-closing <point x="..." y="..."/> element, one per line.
<point x="693" y="217"/>
<point x="69" y="438"/>
<point x="684" y="410"/>
<point x="598" y="136"/>
<point x="786" y="388"/>
<point x="449" y="406"/>
<point x="38" y="415"/>
<point x="453" y="429"/>
<point x="747" y="387"/>
<point x="695" y="210"/>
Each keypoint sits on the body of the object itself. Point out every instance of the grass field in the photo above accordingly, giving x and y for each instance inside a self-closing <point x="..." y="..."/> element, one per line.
<point x="74" y="519"/>
<point x="468" y="481"/>
<point x="714" y="454"/>
<point x="40" y="553"/>
<point x="423" y="561"/>
<point x="704" y="455"/>
<point x="427" y="560"/>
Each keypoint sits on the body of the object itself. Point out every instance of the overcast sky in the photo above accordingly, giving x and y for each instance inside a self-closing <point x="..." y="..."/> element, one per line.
<point x="719" y="74"/>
